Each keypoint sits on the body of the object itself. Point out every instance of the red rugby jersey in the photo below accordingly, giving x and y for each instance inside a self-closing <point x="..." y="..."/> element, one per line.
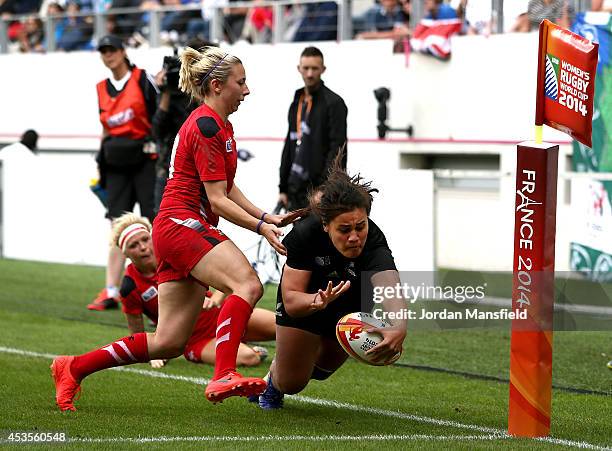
<point x="204" y="151"/>
<point x="139" y="293"/>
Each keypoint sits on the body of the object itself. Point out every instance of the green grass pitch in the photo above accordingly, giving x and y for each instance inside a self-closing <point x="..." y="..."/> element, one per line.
<point x="438" y="398"/>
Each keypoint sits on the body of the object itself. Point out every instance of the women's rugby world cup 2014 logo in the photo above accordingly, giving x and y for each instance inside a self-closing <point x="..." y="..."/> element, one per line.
<point x="551" y="82"/>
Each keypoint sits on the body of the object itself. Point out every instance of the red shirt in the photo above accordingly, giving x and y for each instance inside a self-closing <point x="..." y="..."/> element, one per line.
<point x="204" y="151"/>
<point x="139" y="293"/>
<point x="126" y="114"/>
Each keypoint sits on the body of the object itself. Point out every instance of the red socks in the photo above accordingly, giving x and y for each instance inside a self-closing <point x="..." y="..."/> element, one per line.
<point x="127" y="350"/>
<point x="231" y="325"/>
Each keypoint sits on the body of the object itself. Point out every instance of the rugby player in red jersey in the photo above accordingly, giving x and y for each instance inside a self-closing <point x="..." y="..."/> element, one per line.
<point x="192" y="253"/>
<point x="132" y="234"/>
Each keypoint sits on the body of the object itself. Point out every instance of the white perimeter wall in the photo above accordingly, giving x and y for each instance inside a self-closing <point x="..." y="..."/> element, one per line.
<point x="51" y="215"/>
<point x="485" y="93"/>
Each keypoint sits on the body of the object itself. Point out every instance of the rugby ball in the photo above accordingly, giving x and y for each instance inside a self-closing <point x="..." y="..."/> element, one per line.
<point x="352" y="336"/>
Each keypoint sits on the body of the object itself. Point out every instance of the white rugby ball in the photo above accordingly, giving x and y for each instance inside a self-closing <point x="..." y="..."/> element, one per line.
<point x="352" y="336"/>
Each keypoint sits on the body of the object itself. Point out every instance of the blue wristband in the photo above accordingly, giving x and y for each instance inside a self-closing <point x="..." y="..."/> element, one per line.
<point x="263" y="215"/>
<point x="261" y="221"/>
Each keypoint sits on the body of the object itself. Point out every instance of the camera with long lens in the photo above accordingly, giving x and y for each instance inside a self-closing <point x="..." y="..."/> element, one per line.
<point x="382" y="97"/>
<point x="172" y="68"/>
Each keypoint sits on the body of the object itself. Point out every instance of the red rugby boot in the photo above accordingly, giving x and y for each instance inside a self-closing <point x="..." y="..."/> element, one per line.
<point x="66" y="388"/>
<point x="233" y="384"/>
<point x="103" y="301"/>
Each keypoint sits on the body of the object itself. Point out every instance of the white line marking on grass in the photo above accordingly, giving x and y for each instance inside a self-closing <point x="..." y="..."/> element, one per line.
<point x="26" y="353"/>
<point x="493" y="432"/>
<point x="288" y="438"/>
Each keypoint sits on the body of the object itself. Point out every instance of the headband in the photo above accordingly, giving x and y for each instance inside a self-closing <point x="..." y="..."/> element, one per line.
<point x="213" y="68"/>
<point x="129" y="232"/>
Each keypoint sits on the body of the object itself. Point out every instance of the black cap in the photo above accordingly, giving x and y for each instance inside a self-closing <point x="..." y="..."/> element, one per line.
<point x="110" y="41"/>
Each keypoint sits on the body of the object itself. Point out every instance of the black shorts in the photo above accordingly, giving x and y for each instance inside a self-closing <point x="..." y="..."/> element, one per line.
<point x="127" y="186"/>
<point x="322" y="323"/>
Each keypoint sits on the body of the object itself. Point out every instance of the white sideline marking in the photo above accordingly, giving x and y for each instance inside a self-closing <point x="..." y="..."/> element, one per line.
<point x="494" y="433"/>
<point x="288" y="438"/>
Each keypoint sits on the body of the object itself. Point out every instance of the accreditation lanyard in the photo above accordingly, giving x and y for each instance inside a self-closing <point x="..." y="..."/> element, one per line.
<point x="303" y="109"/>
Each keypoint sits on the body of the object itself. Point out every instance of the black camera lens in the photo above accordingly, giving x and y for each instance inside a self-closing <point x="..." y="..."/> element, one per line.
<point x="382" y="94"/>
<point x="172" y="68"/>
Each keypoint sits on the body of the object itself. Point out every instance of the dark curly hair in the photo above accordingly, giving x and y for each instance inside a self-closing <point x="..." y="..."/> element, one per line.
<point x="341" y="193"/>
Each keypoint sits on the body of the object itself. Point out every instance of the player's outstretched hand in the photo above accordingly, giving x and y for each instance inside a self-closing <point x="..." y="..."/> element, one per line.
<point x="391" y="346"/>
<point x="285" y="219"/>
<point x="331" y="293"/>
<point x="272" y="233"/>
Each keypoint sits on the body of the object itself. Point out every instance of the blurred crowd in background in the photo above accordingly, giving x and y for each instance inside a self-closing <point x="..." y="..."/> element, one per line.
<point x="68" y="25"/>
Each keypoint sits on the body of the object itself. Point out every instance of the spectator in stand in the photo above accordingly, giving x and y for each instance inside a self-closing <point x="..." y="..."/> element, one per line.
<point x="320" y="23"/>
<point x="172" y="20"/>
<point x="601" y="5"/>
<point x="557" y="11"/>
<point x="233" y="22"/>
<point x="10" y="8"/>
<point x="386" y="20"/>
<point x="43" y="11"/>
<point x="32" y="36"/>
<point x="560" y="12"/>
<point x="77" y="33"/>
<point x="110" y="25"/>
<point x="439" y="10"/>
<point x="127" y="24"/>
<point x="406" y="6"/>
<point x="476" y="16"/>
<point x="19" y="7"/>
<point x="87" y="6"/>
<point x="259" y="24"/>
<point x="174" y="23"/>
<point x="54" y="9"/>
<point x="199" y="26"/>
<point x="521" y="23"/>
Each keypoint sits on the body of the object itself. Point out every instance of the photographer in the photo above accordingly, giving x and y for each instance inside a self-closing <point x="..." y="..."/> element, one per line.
<point x="173" y="109"/>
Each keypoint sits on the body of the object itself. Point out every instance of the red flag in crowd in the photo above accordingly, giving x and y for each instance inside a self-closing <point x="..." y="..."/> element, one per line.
<point x="433" y="37"/>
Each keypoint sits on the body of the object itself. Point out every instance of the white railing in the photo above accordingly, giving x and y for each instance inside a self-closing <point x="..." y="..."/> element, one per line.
<point x="347" y="11"/>
<point x="151" y="27"/>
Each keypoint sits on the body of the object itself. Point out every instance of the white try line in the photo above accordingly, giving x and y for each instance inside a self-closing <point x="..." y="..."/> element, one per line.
<point x="290" y="438"/>
<point x="491" y="433"/>
<point x="281" y="438"/>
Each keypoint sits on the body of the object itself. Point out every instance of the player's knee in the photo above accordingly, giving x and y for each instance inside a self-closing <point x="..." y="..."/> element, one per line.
<point x="290" y="385"/>
<point x="252" y="289"/>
